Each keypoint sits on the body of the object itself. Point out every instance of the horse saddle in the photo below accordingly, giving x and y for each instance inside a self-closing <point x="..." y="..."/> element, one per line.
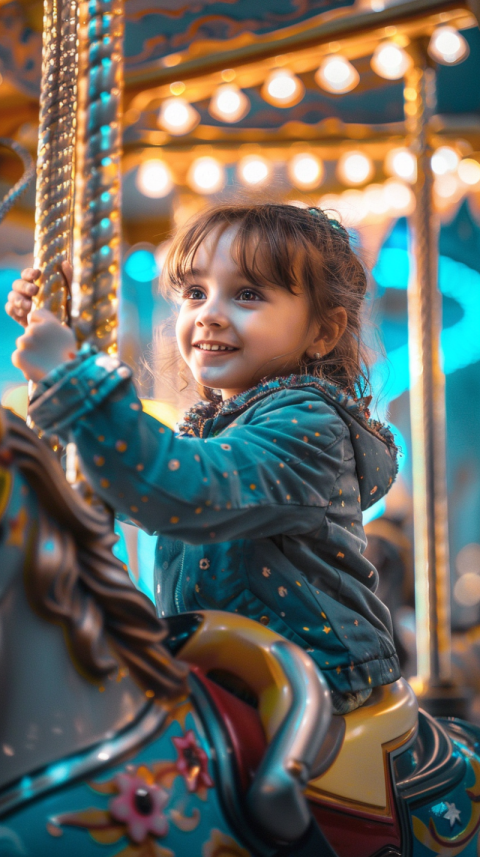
<point x="351" y="765"/>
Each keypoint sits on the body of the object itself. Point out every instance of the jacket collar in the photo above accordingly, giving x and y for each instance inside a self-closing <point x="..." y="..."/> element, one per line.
<point x="195" y="418"/>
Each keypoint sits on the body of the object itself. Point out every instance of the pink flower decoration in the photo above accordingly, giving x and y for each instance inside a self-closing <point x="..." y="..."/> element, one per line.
<point x="140" y="806"/>
<point x="204" y="563"/>
<point x="192" y="762"/>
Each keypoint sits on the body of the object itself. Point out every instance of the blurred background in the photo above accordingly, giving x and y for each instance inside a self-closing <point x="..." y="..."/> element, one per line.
<point x="322" y="125"/>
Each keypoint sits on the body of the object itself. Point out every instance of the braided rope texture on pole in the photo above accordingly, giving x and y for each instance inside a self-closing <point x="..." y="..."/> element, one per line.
<point x="55" y="158"/>
<point x="27" y="177"/>
<point x="427" y="400"/>
<point x="98" y="187"/>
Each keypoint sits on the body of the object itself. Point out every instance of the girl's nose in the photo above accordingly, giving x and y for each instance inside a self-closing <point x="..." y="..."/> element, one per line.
<point x="212" y="314"/>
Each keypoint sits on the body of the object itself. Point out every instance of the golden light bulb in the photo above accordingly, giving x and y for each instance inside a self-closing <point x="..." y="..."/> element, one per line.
<point x="178" y="116"/>
<point x="447" y="46"/>
<point x="354" y="168"/>
<point x="305" y="170"/>
<point x="229" y="103"/>
<point x="390" y="61"/>
<point x="282" y="88"/>
<point x="154" y="179"/>
<point x="469" y="171"/>
<point x="254" y="170"/>
<point x="177" y="88"/>
<point x="337" y="74"/>
<point x="206" y="175"/>
<point x="401" y="162"/>
<point x="228" y="74"/>
<point x="445" y="160"/>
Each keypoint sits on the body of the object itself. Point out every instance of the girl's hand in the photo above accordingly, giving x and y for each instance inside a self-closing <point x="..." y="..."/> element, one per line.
<point x="19" y="302"/>
<point x="45" y="344"/>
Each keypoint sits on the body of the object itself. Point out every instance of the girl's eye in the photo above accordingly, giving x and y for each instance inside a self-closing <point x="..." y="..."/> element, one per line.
<point x="193" y="293"/>
<point x="249" y="295"/>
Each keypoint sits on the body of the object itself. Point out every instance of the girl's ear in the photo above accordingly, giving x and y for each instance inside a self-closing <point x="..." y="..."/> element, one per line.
<point x="329" y="333"/>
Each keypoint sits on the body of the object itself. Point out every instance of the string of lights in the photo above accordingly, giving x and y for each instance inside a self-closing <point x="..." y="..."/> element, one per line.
<point x="283" y="88"/>
<point x="455" y="174"/>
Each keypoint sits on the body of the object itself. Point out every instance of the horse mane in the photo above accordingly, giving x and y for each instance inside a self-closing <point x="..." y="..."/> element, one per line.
<point x="74" y="579"/>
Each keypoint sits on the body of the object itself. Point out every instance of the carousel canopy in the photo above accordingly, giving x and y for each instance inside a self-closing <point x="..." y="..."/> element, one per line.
<point x="205" y="57"/>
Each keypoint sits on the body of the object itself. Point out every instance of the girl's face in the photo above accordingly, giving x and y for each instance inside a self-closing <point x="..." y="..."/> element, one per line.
<point x="232" y="333"/>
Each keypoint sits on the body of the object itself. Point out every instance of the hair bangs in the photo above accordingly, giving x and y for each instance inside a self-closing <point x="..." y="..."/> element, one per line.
<point x="266" y="256"/>
<point x="268" y="251"/>
<point x="181" y="255"/>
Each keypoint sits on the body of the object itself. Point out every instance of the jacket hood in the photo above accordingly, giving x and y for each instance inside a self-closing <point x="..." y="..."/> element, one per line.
<point x="373" y="443"/>
<point x="374" y="448"/>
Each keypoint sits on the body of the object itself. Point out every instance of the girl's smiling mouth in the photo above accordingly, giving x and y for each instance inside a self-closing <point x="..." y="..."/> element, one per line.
<point x="212" y="347"/>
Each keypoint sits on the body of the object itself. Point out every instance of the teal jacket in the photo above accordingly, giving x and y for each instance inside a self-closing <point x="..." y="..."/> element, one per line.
<point x="257" y="503"/>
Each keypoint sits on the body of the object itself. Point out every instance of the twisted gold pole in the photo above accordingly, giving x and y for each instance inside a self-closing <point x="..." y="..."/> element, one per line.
<point x="98" y="186"/>
<point x="55" y="158"/>
<point x="427" y="395"/>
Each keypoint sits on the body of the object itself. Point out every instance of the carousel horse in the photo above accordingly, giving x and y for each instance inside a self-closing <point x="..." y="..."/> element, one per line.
<point x="205" y="735"/>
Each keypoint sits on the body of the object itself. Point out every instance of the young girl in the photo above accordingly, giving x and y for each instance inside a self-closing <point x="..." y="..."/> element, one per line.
<point x="257" y="500"/>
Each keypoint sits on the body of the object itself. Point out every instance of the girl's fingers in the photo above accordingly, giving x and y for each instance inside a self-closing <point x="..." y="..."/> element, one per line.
<point x="25" y="288"/>
<point x="19" y="302"/>
<point x="30" y="274"/>
<point x="19" y="315"/>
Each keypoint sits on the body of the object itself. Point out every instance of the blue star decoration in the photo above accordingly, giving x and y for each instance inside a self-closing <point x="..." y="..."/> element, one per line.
<point x="452" y="814"/>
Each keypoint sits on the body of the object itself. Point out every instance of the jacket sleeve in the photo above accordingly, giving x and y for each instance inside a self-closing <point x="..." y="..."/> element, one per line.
<point x="271" y="475"/>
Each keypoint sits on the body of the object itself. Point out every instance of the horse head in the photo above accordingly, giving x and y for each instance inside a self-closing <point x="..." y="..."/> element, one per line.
<point x="60" y="582"/>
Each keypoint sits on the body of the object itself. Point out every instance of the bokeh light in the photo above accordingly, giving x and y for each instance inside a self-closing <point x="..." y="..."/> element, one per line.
<point x="337" y="74"/>
<point x="254" y="170"/>
<point x="390" y="61"/>
<point x="206" y="175"/>
<point x="374" y="203"/>
<point x="154" y="179"/>
<point x="447" y="46"/>
<point x="401" y="162"/>
<point x="283" y="88"/>
<point x="177" y="87"/>
<point x="445" y="160"/>
<point x="305" y="170"/>
<point x="229" y="103"/>
<point x="466" y="591"/>
<point x="468" y="559"/>
<point x="177" y="116"/>
<point x="141" y="265"/>
<point x="469" y="171"/>
<point x="354" y="168"/>
<point x="447" y="187"/>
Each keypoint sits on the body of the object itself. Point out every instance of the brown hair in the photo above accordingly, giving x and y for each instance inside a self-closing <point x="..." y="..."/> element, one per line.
<point x="80" y="583"/>
<point x="290" y="247"/>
